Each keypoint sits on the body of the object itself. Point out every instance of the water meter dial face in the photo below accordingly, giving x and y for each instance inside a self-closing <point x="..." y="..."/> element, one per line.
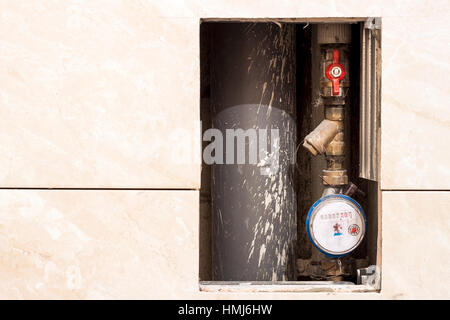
<point x="336" y="225"/>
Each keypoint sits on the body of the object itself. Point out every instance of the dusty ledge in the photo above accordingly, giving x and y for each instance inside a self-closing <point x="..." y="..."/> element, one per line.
<point x="283" y="286"/>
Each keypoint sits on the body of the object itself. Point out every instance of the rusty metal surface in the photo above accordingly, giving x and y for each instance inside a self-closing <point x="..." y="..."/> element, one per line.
<point x="330" y="269"/>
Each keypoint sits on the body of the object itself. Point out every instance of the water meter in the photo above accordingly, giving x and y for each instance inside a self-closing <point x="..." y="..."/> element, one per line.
<point x="336" y="225"/>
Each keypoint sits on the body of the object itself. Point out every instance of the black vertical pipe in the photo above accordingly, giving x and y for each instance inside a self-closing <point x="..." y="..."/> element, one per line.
<point x="254" y="215"/>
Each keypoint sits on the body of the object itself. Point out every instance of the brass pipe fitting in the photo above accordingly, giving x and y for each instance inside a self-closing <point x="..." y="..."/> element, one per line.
<point x="328" y="137"/>
<point x="334" y="113"/>
<point x="336" y="146"/>
<point x="335" y="177"/>
<point x="318" y="140"/>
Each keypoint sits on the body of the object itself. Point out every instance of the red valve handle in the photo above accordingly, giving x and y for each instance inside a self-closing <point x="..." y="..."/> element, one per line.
<point x="335" y="72"/>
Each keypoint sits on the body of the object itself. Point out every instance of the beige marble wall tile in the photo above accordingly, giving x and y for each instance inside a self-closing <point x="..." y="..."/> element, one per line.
<point x="297" y="9"/>
<point x="67" y="244"/>
<point x="105" y="93"/>
<point x="415" y="118"/>
<point x="98" y="244"/>
<point x="97" y="94"/>
<point x="144" y="244"/>
<point x="101" y="94"/>
<point x="416" y="245"/>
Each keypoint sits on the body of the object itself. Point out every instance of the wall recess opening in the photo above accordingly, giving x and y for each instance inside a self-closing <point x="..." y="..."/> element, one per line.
<point x="290" y="198"/>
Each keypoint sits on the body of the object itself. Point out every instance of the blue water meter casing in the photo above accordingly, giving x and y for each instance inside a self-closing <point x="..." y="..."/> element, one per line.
<point x="336" y="225"/>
